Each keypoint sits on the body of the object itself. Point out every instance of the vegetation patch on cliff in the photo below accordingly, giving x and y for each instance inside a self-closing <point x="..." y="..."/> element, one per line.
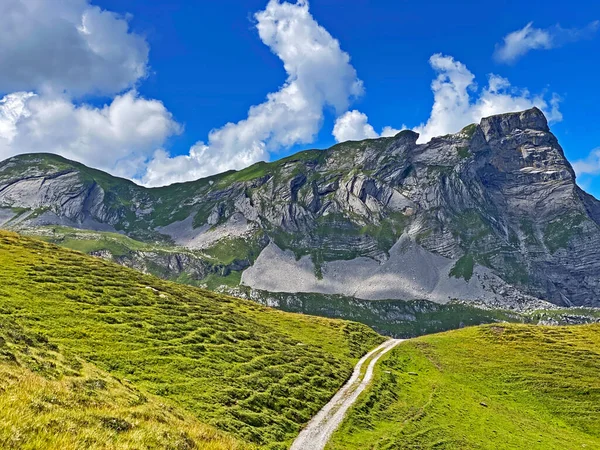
<point x="228" y="250"/>
<point x="559" y="232"/>
<point x="337" y="237"/>
<point x="463" y="268"/>
<point x="93" y="241"/>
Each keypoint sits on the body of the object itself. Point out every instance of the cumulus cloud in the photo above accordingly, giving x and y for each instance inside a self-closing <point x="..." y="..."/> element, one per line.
<point x="391" y="131"/>
<point x="520" y="42"/>
<point x="587" y="169"/>
<point x="457" y="102"/>
<point x="67" y="45"/>
<point x="60" y="50"/>
<point x="319" y="76"/>
<point x="118" y="137"/>
<point x="589" y="165"/>
<point x="354" y="126"/>
<point x="57" y="51"/>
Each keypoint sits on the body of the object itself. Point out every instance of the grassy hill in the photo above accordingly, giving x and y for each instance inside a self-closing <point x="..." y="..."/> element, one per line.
<point x="254" y="373"/>
<point x="490" y="387"/>
<point x="52" y="399"/>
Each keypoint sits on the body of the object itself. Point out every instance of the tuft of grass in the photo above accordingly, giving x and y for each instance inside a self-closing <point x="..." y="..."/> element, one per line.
<point x="250" y="371"/>
<point x="499" y="386"/>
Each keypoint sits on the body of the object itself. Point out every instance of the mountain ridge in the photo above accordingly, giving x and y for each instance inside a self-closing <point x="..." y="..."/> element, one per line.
<point x="496" y="205"/>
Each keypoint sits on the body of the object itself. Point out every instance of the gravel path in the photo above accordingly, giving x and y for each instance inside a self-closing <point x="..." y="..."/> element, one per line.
<point x="318" y="431"/>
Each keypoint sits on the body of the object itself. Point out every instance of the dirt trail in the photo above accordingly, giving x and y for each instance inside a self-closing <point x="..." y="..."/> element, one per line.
<point x="318" y="431"/>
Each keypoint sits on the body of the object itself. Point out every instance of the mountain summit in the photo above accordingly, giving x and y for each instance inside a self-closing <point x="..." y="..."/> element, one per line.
<point x="490" y="214"/>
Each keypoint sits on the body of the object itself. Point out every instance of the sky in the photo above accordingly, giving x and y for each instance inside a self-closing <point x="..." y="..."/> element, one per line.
<point x="169" y="91"/>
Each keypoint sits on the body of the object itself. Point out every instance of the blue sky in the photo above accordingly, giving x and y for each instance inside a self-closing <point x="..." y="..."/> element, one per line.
<point x="207" y="55"/>
<point x="204" y="64"/>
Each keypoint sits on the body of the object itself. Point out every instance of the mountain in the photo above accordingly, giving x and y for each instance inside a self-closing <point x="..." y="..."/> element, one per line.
<point x="95" y="355"/>
<point x="490" y="215"/>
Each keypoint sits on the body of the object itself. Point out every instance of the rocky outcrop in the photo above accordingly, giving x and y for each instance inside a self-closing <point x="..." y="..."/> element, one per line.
<point x="496" y="205"/>
<point x="168" y="265"/>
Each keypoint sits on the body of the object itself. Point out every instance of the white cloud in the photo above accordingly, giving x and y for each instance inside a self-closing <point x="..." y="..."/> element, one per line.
<point x="391" y="131"/>
<point x="57" y="50"/>
<point x="589" y="165"/>
<point x="520" y="42"/>
<point x="587" y="169"/>
<point x="118" y="137"/>
<point x="67" y="45"/>
<point x="354" y="126"/>
<point x="319" y="75"/>
<point x="12" y="109"/>
<point x="451" y="105"/>
<point x="457" y="103"/>
<point x="60" y="50"/>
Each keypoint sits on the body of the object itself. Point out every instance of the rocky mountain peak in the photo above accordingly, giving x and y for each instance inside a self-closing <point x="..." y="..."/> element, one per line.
<point x="406" y="137"/>
<point x="525" y="153"/>
<point x="498" y="126"/>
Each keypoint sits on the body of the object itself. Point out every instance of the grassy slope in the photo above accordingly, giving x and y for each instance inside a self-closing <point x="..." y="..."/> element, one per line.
<point x="252" y="371"/>
<point x="52" y="399"/>
<point x="541" y="386"/>
<point x="92" y="241"/>
<point x="224" y="252"/>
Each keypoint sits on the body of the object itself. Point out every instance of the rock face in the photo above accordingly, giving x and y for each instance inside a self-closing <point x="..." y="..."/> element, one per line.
<point x="490" y="214"/>
<point x="166" y="265"/>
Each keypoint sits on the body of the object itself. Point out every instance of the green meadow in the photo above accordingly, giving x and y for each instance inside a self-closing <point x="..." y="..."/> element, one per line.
<point x="500" y="386"/>
<point x="255" y="374"/>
